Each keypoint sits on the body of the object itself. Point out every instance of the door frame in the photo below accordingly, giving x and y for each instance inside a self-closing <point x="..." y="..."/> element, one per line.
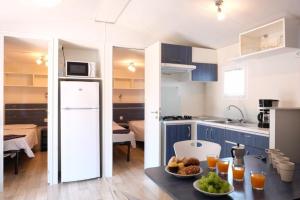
<point x="107" y="105"/>
<point x="153" y="148"/>
<point x="52" y="103"/>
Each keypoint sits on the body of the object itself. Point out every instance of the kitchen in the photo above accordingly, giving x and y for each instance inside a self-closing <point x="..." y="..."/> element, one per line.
<point x="217" y="96"/>
<point x="232" y="126"/>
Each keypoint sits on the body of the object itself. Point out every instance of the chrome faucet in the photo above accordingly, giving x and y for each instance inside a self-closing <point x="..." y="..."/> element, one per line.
<point x="242" y="120"/>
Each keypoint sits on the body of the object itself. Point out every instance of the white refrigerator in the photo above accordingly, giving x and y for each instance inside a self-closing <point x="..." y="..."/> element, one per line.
<point x="80" y="130"/>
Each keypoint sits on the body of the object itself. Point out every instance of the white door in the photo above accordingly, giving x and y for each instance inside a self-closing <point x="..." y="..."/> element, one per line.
<point x="79" y="94"/>
<point x="152" y="106"/>
<point x="2" y="106"/>
<point x="80" y="144"/>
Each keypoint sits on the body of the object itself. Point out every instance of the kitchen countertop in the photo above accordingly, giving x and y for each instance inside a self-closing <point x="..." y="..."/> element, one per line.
<point x="246" y="127"/>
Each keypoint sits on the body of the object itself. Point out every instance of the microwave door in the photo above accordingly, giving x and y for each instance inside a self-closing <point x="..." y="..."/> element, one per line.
<point x="77" y="69"/>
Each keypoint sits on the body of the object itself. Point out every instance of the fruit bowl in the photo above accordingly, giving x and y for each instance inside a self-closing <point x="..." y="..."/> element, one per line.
<point x="183" y="176"/>
<point x="195" y="185"/>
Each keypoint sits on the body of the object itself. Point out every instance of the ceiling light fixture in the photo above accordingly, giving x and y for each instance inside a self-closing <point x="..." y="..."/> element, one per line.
<point x="39" y="60"/>
<point x="131" y="67"/>
<point x="42" y="59"/>
<point x="220" y="14"/>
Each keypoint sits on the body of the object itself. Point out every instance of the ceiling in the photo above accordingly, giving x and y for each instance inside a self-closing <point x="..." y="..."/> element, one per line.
<point x="122" y="57"/>
<point x="24" y="51"/>
<point x="191" y="22"/>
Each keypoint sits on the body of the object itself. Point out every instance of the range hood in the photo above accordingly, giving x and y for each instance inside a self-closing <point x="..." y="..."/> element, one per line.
<point x="176" y="68"/>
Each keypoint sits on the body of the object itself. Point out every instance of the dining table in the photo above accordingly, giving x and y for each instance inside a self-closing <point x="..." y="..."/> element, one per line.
<point x="274" y="189"/>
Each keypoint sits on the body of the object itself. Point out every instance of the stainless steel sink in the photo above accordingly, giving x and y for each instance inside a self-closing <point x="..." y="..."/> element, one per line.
<point x="246" y="124"/>
<point x="217" y="121"/>
<point x="229" y="122"/>
<point x="220" y="121"/>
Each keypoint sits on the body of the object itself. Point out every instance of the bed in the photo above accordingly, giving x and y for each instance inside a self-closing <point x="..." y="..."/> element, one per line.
<point x="137" y="126"/>
<point x="23" y="143"/>
<point x="125" y="138"/>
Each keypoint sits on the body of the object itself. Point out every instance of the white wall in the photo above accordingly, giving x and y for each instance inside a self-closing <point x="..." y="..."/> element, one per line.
<point x="190" y="94"/>
<point x="79" y="54"/>
<point x="276" y="76"/>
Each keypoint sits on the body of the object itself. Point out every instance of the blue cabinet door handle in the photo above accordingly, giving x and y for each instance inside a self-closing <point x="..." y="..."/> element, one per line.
<point x="211" y="133"/>
<point x="206" y="134"/>
<point x="189" y="129"/>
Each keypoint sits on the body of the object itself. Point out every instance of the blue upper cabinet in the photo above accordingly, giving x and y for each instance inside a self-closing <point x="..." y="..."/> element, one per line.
<point x="205" y="72"/>
<point x="205" y="60"/>
<point x="176" y="54"/>
<point x="206" y="63"/>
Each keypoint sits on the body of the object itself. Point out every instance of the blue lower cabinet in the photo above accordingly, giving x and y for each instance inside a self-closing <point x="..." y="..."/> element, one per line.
<point x="175" y="133"/>
<point x="202" y="132"/>
<point x="254" y="144"/>
<point x="255" y="151"/>
<point x="261" y="142"/>
<point x="211" y="134"/>
<point x="171" y="138"/>
<point x="234" y="136"/>
<point x="227" y="148"/>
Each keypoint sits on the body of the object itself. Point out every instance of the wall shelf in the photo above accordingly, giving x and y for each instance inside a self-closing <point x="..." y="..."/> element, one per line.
<point x="24" y="73"/>
<point x="276" y="37"/>
<point x="26" y="86"/>
<point x="128" y="88"/>
<point x="28" y="80"/>
<point x="128" y="83"/>
<point x="128" y="78"/>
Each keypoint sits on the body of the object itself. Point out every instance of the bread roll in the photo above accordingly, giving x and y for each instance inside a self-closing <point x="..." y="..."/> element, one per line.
<point x="191" y="161"/>
<point x="173" y="167"/>
<point x="192" y="169"/>
<point x="172" y="160"/>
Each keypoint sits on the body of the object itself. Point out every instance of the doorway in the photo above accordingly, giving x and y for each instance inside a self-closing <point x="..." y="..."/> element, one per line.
<point x="25" y="113"/>
<point x="128" y="110"/>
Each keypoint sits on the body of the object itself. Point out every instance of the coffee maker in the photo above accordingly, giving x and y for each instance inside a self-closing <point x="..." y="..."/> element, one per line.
<point x="263" y="116"/>
<point x="238" y="153"/>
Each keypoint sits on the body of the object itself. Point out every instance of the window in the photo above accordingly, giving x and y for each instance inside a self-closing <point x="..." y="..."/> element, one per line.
<point x="234" y="82"/>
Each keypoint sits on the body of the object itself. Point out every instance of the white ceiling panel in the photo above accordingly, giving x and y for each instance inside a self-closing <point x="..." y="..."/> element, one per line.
<point x="110" y="10"/>
<point x="178" y="21"/>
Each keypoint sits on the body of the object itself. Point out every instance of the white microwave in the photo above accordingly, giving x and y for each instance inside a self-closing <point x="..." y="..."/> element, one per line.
<point x="80" y="69"/>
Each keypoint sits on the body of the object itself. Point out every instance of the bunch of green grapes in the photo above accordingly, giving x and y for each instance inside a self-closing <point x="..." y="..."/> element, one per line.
<point x="212" y="183"/>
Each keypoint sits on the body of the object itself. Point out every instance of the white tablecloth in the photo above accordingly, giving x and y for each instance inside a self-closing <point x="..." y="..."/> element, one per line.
<point x="26" y="143"/>
<point x="137" y="126"/>
<point x="123" y="137"/>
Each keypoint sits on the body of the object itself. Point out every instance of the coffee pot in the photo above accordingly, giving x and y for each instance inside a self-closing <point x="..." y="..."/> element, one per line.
<point x="238" y="153"/>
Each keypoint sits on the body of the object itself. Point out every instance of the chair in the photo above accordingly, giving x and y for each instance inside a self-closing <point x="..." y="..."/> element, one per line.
<point x="196" y="148"/>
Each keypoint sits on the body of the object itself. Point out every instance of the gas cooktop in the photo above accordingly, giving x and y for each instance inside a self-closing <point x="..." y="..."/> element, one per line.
<point x="172" y="118"/>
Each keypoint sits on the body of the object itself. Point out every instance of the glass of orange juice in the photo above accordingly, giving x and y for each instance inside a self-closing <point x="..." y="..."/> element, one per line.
<point x="238" y="172"/>
<point x="212" y="161"/>
<point x="223" y="166"/>
<point x="258" y="180"/>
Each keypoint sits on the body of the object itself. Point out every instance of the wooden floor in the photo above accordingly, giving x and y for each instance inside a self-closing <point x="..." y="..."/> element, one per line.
<point x="128" y="183"/>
